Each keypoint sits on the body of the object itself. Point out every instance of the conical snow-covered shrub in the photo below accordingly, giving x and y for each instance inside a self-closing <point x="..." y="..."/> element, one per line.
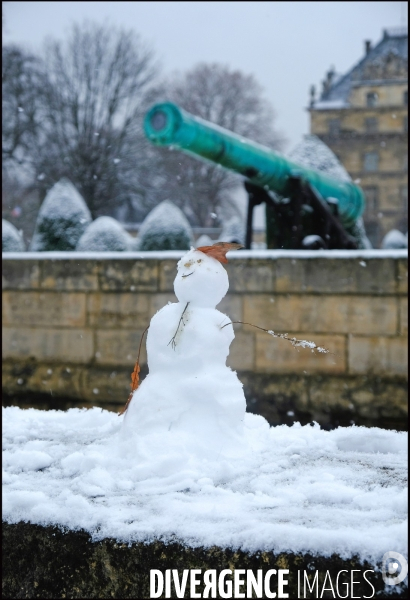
<point x="62" y="219"/>
<point x="165" y="228"/>
<point x="394" y="239"/>
<point x="11" y="238"/>
<point x="312" y="153"/>
<point x="204" y="240"/>
<point x="105" y="234"/>
<point x="233" y="231"/>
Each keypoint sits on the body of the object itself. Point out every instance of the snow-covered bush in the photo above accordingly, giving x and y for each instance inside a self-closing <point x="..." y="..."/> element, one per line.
<point x="165" y="228"/>
<point x="394" y="239"/>
<point x="233" y="231"/>
<point x="312" y="153"/>
<point x="11" y="238"/>
<point x="204" y="240"/>
<point x="104" y="234"/>
<point x="62" y="219"/>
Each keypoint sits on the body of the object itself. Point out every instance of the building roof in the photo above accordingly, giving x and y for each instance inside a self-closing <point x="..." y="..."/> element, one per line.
<point x="392" y="46"/>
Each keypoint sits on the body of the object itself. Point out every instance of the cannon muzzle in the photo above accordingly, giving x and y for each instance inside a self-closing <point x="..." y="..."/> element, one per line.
<point x="166" y="124"/>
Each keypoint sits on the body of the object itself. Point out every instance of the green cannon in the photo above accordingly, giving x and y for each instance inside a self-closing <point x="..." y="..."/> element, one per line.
<point x="301" y="204"/>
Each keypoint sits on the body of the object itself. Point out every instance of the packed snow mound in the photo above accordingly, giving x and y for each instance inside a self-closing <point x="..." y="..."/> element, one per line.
<point x="233" y="231"/>
<point x="296" y="489"/>
<point x="11" y="238"/>
<point x="394" y="239"/>
<point x="105" y="234"/>
<point x="312" y="153"/>
<point x="165" y="228"/>
<point x="62" y="219"/>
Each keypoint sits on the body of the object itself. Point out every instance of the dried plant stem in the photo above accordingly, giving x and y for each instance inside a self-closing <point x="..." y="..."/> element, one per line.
<point x="172" y="340"/>
<point x="134" y="375"/>
<point x="294" y="341"/>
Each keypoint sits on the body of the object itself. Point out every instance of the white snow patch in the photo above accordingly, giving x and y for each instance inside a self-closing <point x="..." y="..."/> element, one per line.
<point x="294" y="489"/>
<point x="330" y="104"/>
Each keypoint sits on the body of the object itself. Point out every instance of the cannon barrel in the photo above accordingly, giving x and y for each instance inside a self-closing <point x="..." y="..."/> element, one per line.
<point x="166" y="124"/>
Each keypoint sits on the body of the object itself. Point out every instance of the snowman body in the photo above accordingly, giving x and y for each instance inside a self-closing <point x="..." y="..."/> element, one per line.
<point x="189" y="392"/>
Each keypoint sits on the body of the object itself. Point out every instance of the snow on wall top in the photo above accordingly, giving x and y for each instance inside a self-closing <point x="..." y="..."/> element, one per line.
<point x="297" y="489"/>
<point x="312" y="153"/>
<point x="241" y="254"/>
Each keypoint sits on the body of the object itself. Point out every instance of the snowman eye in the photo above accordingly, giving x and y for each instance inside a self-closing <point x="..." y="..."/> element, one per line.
<point x="199" y="260"/>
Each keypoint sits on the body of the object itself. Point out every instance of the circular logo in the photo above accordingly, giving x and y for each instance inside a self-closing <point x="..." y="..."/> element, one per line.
<point x="394" y="568"/>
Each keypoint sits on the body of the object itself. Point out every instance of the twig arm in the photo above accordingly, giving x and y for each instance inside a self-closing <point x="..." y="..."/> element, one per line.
<point x="294" y="341"/>
<point x="172" y="340"/>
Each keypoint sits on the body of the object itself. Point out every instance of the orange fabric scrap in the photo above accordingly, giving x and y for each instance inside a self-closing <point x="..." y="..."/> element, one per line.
<point x="135" y="378"/>
<point x="219" y="250"/>
<point x="135" y="381"/>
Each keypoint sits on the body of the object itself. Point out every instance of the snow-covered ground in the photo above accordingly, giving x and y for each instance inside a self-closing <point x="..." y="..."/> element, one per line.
<point x="187" y="463"/>
<point x="296" y="489"/>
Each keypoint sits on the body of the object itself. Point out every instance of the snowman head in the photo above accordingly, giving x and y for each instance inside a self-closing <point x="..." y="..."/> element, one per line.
<point x="201" y="280"/>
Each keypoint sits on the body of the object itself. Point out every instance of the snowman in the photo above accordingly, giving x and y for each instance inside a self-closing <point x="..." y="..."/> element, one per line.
<point x="191" y="398"/>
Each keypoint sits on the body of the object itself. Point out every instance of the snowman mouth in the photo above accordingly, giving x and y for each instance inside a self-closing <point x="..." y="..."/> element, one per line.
<point x="188" y="274"/>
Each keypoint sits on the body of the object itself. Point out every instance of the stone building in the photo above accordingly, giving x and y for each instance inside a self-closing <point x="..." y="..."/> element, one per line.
<point x="362" y="117"/>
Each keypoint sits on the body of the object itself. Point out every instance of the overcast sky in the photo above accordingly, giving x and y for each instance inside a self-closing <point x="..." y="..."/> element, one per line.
<point x="288" y="46"/>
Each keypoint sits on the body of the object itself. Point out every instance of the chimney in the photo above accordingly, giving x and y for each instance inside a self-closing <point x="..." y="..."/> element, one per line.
<point x="312" y="95"/>
<point x="367" y="46"/>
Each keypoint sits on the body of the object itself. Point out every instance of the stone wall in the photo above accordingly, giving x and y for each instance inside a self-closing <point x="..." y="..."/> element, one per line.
<point x="44" y="562"/>
<point x="72" y="324"/>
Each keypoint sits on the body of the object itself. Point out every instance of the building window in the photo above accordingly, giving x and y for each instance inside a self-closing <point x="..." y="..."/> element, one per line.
<point x="371" y="194"/>
<point x="371" y="99"/>
<point x="334" y="126"/>
<point x="371" y="162"/>
<point x="405" y="98"/>
<point x="405" y="124"/>
<point x="371" y="125"/>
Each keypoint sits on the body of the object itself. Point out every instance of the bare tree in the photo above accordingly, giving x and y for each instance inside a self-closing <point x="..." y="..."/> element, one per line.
<point x="22" y="78"/>
<point x="234" y="101"/>
<point x="96" y="91"/>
